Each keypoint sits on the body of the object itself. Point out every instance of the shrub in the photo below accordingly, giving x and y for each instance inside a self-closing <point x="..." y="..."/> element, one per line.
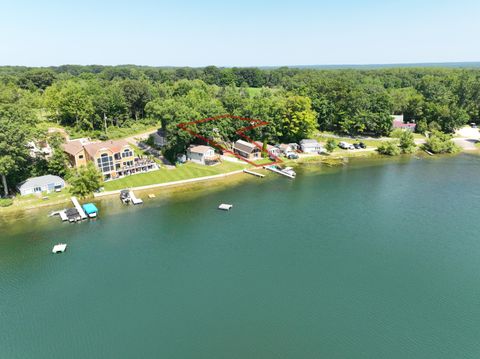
<point x="439" y="142"/>
<point x="389" y="148"/>
<point x="330" y="145"/>
<point x="407" y="142"/>
<point x="5" y="202"/>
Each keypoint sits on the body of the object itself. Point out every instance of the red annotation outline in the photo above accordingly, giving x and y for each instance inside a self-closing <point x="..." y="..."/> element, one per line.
<point x="254" y="123"/>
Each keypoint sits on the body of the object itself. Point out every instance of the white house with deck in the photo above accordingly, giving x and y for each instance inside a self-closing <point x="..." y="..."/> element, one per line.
<point x="310" y="146"/>
<point x="201" y="154"/>
<point x="48" y="183"/>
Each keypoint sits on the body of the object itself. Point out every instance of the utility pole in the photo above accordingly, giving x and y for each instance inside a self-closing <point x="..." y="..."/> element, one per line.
<point x="105" y="123"/>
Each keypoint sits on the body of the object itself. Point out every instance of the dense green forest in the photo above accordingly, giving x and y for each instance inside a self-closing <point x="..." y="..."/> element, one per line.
<point x="98" y="100"/>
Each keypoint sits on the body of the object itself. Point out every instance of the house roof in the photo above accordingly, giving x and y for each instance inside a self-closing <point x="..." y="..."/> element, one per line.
<point x="114" y="146"/>
<point x="73" y="147"/>
<point x="41" y="181"/>
<point x="401" y="124"/>
<point x="309" y="142"/>
<point x="200" y="149"/>
<point x="269" y="147"/>
<point x="245" y="146"/>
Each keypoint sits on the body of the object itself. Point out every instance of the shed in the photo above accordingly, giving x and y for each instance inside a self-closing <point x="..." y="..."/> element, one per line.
<point x="48" y="183"/>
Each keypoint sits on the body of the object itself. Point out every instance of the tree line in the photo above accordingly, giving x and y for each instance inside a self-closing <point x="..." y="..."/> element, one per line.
<point x="93" y="100"/>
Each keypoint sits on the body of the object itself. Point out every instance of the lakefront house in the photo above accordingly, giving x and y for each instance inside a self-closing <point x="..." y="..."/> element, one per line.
<point x="310" y="146"/>
<point x="204" y="155"/>
<point x="272" y="150"/>
<point x="36" y="185"/>
<point x="114" y="158"/>
<point x="247" y="150"/>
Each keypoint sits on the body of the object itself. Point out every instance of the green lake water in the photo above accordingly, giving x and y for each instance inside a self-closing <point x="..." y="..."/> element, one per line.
<point x="374" y="259"/>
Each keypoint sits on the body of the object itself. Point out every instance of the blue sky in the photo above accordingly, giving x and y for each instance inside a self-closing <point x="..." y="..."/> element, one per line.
<point x="242" y="33"/>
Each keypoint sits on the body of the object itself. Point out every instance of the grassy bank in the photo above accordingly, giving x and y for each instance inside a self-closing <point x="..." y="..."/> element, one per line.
<point x="182" y="172"/>
<point x="33" y="201"/>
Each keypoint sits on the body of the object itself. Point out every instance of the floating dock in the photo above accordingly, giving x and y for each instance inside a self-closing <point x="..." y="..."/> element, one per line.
<point x="279" y="171"/>
<point x="134" y="199"/>
<point x="79" y="208"/>
<point x="59" y="248"/>
<point x="225" y="207"/>
<point x="254" y="173"/>
<point x="63" y="215"/>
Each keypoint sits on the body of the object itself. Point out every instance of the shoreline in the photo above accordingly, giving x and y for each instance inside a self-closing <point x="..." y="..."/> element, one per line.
<point x="170" y="184"/>
<point x="333" y="160"/>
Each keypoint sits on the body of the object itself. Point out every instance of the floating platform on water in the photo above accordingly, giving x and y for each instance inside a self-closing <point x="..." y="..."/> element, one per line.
<point x="254" y="173"/>
<point x="63" y="215"/>
<point x="225" y="207"/>
<point x="59" y="248"/>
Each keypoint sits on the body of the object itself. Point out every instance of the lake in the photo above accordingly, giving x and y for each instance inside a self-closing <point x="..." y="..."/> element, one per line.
<point x="375" y="259"/>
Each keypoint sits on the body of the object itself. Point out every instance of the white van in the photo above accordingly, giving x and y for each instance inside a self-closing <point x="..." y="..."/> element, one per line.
<point x="346" y="146"/>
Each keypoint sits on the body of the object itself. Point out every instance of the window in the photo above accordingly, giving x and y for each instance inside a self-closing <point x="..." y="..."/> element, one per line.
<point x="117" y="156"/>
<point x="37" y="189"/>
<point x="80" y="157"/>
<point x="105" y="163"/>
<point x="127" y="153"/>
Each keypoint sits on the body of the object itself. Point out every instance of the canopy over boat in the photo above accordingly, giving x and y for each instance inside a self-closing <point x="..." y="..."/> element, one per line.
<point x="90" y="208"/>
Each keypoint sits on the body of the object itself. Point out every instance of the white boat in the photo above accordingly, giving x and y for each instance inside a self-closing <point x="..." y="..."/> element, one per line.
<point x="59" y="248"/>
<point x="289" y="171"/>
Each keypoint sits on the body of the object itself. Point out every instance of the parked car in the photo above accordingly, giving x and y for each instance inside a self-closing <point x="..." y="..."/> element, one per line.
<point x="362" y="145"/>
<point x="357" y="146"/>
<point x="346" y="146"/>
<point x="292" y="155"/>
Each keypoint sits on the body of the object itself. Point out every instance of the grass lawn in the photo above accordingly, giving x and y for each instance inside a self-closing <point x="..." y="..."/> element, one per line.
<point x="263" y="161"/>
<point x="182" y="172"/>
<point x="370" y="143"/>
<point x="31" y="200"/>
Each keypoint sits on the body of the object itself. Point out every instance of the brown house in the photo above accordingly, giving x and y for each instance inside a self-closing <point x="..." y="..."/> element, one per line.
<point x="113" y="158"/>
<point x="247" y="150"/>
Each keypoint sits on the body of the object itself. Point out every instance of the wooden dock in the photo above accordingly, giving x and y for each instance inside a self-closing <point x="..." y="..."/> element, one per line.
<point x="63" y="216"/>
<point x="254" y="173"/>
<point x="134" y="199"/>
<point x="79" y="208"/>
